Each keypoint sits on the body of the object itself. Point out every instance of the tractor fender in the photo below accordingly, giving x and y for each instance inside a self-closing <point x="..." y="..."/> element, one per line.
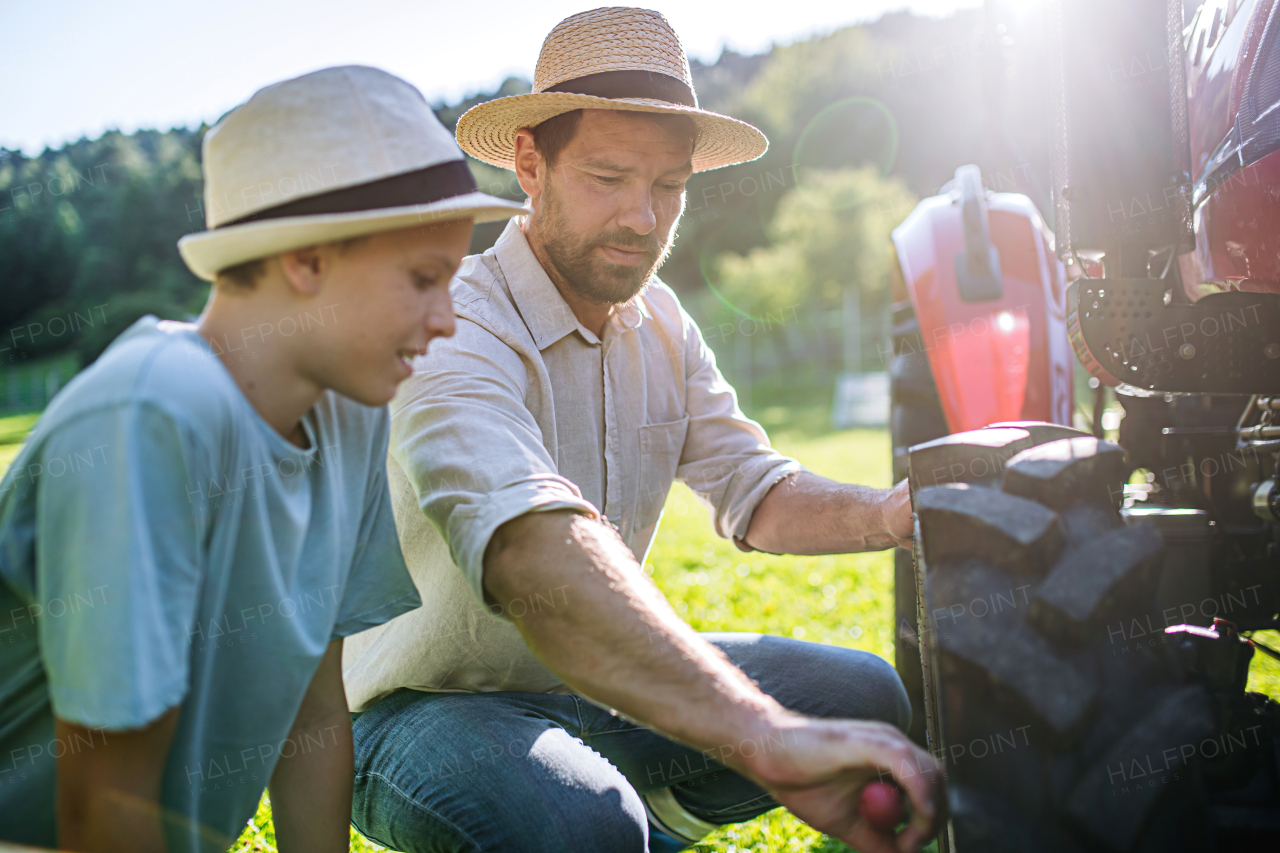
<point x="989" y="296"/>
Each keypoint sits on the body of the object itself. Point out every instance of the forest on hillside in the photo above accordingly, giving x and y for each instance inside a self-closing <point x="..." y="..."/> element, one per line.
<point x="862" y="122"/>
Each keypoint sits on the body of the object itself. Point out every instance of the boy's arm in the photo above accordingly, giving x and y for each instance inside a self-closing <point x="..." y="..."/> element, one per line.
<point x="120" y="531"/>
<point x="109" y="796"/>
<point x="311" y="789"/>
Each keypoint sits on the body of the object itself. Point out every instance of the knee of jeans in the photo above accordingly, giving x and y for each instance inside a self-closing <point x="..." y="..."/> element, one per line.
<point x="888" y="697"/>
<point x="877" y="692"/>
<point x="613" y="819"/>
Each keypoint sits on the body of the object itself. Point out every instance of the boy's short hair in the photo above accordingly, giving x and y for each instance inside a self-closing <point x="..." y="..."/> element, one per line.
<point x="551" y="136"/>
<point x="245" y="276"/>
<point x="242" y="276"/>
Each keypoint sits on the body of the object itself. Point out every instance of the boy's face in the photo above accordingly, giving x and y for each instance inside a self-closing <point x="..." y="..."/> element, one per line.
<point x="390" y="297"/>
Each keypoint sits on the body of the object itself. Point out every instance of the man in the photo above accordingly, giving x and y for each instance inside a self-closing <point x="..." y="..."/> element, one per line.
<point x="202" y="515"/>
<point x="534" y="451"/>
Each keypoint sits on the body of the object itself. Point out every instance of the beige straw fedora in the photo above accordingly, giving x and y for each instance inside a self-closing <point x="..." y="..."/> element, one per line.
<point x="337" y="153"/>
<point x="615" y="58"/>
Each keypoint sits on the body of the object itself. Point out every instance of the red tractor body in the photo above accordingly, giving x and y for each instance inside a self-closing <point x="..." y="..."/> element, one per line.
<point x="1233" y="72"/>
<point x="998" y="359"/>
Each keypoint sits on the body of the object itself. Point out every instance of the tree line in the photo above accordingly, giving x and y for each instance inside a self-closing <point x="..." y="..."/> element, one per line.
<point x="861" y="122"/>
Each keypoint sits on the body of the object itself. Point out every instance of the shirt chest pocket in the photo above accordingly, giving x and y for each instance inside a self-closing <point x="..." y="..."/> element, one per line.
<point x="660" y="449"/>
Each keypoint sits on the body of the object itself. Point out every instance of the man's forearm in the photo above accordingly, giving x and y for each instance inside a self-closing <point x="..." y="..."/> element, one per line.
<point x="808" y="514"/>
<point x="615" y="638"/>
<point x="612" y="636"/>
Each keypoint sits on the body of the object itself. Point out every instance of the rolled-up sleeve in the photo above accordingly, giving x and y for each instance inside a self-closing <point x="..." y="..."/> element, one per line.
<point x="463" y="434"/>
<point x="726" y="460"/>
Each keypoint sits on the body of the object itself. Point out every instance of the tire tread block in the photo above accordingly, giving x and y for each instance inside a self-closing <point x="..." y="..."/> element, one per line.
<point x="1069" y="470"/>
<point x="1115" y="794"/>
<point x="966" y="457"/>
<point x="1040" y="431"/>
<point x="1007" y="531"/>
<point x="1092" y="581"/>
<point x="1021" y="662"/>
<point x="975" y="591"/>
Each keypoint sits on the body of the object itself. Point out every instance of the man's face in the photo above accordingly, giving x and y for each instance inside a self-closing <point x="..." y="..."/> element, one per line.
<point x="390" y="298"/>
<point x="608" y="209"/>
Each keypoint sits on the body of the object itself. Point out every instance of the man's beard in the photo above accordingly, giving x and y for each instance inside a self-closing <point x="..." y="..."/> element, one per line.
<point x="586" y="272"/>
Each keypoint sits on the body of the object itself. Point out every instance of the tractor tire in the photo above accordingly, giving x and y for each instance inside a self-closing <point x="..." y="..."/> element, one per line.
<point x="915" y="417"/>
<point x="915" y="414"/>
<point x="1058" y="731"/>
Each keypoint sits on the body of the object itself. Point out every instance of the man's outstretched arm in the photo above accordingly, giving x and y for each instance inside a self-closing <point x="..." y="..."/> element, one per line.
<point x="613" y="637"/>
<point x="808" y="514"/>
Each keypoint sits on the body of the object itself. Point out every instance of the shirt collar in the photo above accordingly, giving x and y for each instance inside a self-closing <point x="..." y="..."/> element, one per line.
<point x="544" y="310"/>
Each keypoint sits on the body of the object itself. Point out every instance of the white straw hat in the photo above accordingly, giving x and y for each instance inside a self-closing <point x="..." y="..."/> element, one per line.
<point x="329" y="155"/>
<point x="615" y="58"/>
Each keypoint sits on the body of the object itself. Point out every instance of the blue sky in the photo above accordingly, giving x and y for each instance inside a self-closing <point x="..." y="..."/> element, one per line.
<point x="72" y="69"/>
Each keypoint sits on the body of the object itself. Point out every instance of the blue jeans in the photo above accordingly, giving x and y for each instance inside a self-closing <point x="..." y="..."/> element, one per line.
<point x="541" y="772"/>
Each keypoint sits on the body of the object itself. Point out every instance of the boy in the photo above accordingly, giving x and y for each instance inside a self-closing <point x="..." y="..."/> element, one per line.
<point x="202" y="515"/>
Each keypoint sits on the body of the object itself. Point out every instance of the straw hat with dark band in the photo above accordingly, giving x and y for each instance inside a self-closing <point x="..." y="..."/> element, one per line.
<point x="338" y="153"/>
<point x="616" y="58"/>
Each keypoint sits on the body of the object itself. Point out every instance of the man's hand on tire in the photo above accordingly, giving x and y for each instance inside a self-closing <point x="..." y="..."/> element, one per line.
<point x="821" y="768"/>
<point x="896" y="511"/>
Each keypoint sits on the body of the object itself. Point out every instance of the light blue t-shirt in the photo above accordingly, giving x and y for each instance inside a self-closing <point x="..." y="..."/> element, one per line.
<point x="161" y="544"/>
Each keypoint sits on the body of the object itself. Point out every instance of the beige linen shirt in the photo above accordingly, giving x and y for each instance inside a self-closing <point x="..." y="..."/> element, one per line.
<point x="526" y="410"/>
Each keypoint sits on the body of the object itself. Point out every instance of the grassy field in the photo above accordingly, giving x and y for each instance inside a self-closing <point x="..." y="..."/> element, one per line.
<point x="13" y="430"/>
<point x="844" y="600"/>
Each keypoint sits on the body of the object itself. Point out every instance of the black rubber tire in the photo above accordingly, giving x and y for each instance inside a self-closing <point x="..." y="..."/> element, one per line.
<point x="915" y="416"/>
<point x="906" y="646"/>
<point x="1038" y="717"/>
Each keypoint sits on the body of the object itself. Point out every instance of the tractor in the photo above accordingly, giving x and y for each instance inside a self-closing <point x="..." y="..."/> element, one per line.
<point x="1075" y="622"/>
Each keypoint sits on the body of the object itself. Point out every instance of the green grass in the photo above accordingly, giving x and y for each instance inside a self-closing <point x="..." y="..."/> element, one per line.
<point x="13" y="430"/>
<point x="842" y="600"/>
<point x="1264" y="672"/>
